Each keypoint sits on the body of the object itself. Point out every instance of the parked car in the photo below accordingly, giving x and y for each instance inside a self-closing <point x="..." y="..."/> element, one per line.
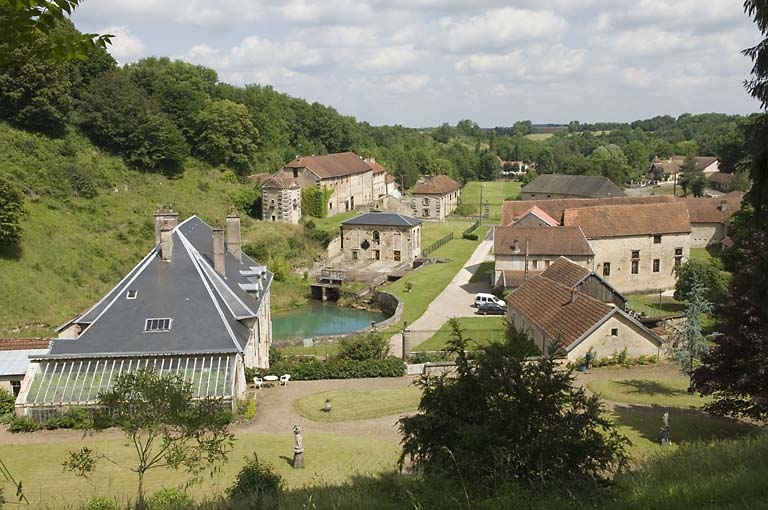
<point x="491" y="309"/>
<point x="488" y="298"/>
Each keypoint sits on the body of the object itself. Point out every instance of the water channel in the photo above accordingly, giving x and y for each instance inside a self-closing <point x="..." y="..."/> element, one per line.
<point x="319" y="318"/>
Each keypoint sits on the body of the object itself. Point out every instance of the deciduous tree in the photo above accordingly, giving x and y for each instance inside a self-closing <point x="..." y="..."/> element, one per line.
<point x="165" y="424"/>
<point x="11" y="212"/>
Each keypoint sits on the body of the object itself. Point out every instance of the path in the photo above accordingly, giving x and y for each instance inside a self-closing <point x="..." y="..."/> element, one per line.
<point x="454" y="301"/>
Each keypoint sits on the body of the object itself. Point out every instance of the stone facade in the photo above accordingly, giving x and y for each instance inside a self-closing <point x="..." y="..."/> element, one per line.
<point x="435" y="198"/>
<point x="281" y="200"/>
<point x="381" y="236"/>
<point x="642" y="263"/>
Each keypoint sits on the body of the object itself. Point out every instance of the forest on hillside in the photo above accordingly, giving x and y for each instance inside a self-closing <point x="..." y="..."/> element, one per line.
<point x="157" y="113"/>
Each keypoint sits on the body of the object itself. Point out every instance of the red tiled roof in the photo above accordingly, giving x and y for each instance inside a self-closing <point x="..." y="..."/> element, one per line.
<point x="629" y="220"/>
<point x="710" y="209"/>
<point x="23" y="344"/>
<point x="566" y="272"/>
<point x="331" y="165"/>
<point x="436" y="185"/>
<point x="543" y="216"/>
<point x="260" y="178"/>
<point x="721" y="178"/>
<point x="514" y="279"/>
<point x="548" y="305"/>
<point x="512" y="209"/>
<point x="541" y="241"/>
<point x="377" y="168"/>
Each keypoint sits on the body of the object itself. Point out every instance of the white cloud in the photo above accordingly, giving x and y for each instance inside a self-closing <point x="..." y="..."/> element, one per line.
<point x="388" y="59"/>
<point x="512" y="62"/>
<point x="498" y="28"/>
<point x="255" y="51"/>
<point x="125" y="46"/>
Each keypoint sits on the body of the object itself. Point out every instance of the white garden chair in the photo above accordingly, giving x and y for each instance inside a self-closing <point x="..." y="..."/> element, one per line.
<point x="284" y="379"/>
<point x="258" y="381"/>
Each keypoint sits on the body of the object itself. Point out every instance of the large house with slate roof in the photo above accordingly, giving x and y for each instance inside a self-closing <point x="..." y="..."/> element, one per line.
<point x="559" y="307"/>
<point x="195" y="306"/>
<point x="381" y="236"/>
<point x="570" y="186"/>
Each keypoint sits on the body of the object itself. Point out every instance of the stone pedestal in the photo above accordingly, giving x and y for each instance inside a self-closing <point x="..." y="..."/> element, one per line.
<point x="298" y="458"/>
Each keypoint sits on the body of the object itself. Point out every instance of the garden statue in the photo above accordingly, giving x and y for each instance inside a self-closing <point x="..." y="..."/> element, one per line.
<point x="298" y="449"/>
<point x="664" y="429"/>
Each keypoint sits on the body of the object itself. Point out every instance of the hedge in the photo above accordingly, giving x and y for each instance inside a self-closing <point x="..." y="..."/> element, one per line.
<point x="312" y="369"/>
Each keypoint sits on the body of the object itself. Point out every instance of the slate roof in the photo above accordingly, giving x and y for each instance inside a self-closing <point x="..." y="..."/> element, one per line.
<point x="710" y="209"/>
<point x="513" y="209"/>
<point x="541" y="241"/>
<point x="283" y="181"/>
<point x="331" y="165"/>
<point x="206" y="310"/>
<point x="436" y="185"/>
<point x="383" y="219"/>
<point x="629" y="220"/>
<point x="589" y="186"/>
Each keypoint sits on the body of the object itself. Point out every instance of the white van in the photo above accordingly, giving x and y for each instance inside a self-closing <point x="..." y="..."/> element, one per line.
<point x="488" y="298"/>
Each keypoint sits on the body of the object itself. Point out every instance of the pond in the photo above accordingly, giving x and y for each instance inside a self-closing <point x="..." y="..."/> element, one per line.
<point x="319" y="318"/>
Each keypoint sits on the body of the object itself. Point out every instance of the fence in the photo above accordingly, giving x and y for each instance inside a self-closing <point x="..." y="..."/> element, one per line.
<point x="437" y="244"/>
<point x="471" y="228"/>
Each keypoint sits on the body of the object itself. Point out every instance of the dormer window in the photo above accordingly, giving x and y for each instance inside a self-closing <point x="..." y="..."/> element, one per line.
<point x="131" y="294"/>
<point x="157" y="325"/>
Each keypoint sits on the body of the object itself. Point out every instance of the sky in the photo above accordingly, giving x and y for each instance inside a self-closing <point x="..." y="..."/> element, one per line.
<point x="421" y="63"/>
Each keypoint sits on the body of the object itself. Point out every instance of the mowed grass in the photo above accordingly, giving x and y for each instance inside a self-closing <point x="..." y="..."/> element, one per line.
<point x="640" y="424"/>
<point x="481" y="331"/>
<point x="329" y="459"/>
<point x="652" y="306"/>
<point x="656" y="392"/>
<point x="429" y="281"/>
<point x="350" y="405"/>
<point x="494" y="193"/>
<point x="483" y="273"/>
<point x="432" y="231"/>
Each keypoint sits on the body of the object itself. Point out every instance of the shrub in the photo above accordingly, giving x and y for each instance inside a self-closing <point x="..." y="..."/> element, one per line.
<point x="75" y="418"/>
<point x="312" y="369"/>
<point x="471" y="237"/>
<point x="363" y="347"/>
<point x="23" y="424"/>
<point x="247" y="408"/>
<point x="170" y="499"/>
<point x="254" y="480"/>
<point x="101" y="503"/>
<point x="7" y="402"/>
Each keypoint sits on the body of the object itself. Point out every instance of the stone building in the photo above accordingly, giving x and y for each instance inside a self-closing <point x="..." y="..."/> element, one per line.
<point x="555" y="311"/>
<point x="381" y="236"/>
<point x="195" y="306"/>
<point x="709" y="217"/>
<point x="570" y="186"/>
<point x="281" y="199"/>
<point x="348" y="176"/>
<point x="435" y="198"/>
<point x="637" y="247"/>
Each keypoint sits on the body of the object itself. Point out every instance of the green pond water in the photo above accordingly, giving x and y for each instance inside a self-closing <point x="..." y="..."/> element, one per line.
<point x="320" y="319"/>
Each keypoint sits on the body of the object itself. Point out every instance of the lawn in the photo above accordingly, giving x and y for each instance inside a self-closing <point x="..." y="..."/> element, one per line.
<point x="653" y="306"/>
<point x="429" y="281"/>
<point x="432" y="231"/>
<point x="332" y="223"/>
<point x="481" y="330"/>
<point x="483" y="273"/>
<point x="330" y="459"/>
<point x="640" y="424"/>
<point x="494" y="193"/>
<point x="704" y="254"/>
<point x="350" y="405"/>
<point x="656" y="392"/>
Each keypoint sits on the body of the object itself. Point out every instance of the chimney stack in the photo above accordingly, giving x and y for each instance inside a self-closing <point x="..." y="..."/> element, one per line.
<point x="164" y="214"/>
<point x="724" y="206"/>
<point x="166" y="240"/>
<point x="516" y="246"/>
<point x="234" y="245"/>
<point x="574" y="294"/>
<point x="218" y="248"/>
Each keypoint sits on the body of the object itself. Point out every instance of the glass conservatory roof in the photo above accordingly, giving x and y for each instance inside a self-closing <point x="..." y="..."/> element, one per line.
<point x="58" y="382"/>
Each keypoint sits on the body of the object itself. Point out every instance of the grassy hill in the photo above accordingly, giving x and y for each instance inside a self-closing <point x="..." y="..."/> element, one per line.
<point x="75" y="249"/>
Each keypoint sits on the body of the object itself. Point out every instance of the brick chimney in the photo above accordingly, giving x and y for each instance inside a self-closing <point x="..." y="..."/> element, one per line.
<point x="218" y="248"/>
<point x="163" y="214"/>
<point x="234" y="245"/>
<point x="574" y="294"/>
<point x="724" y="206"/>
<point x="166" y="240"/>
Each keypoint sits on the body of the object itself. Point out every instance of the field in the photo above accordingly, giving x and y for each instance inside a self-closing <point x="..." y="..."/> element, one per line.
<point x="653" y="305"/>
<point x="494" y="193"/>
<point x="480" y="331"/>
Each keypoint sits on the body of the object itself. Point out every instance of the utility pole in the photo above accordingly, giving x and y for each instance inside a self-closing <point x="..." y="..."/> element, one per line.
<point x="480" y="220"/>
